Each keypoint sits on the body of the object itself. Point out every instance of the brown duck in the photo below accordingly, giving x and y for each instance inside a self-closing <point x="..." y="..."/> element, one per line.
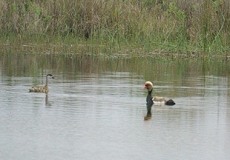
<point x="42" y="89"/>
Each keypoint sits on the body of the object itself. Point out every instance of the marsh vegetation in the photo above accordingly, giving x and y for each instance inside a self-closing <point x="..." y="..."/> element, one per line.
<point x="148" y="26"/>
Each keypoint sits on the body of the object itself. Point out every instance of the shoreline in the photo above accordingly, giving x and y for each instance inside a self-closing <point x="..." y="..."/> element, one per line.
<point x="87" y="48"/>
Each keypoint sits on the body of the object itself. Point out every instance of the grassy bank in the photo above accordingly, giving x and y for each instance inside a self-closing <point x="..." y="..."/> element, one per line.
<point x="196" y="26"/>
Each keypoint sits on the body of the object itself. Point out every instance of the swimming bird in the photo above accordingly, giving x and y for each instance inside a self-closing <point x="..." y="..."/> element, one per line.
<point x="42" y="89"/>
<point x="156" y="100"/>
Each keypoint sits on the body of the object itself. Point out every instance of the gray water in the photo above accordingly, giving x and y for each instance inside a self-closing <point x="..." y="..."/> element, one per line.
<point x="98" y="112"/>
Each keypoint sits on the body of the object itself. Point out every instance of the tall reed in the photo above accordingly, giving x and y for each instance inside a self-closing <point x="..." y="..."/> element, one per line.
<point x="167" y="25"/>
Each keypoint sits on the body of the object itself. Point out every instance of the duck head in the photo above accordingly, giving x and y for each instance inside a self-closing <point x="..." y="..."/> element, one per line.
<point x="148" y="85"/>
<point x="50" y="75"/>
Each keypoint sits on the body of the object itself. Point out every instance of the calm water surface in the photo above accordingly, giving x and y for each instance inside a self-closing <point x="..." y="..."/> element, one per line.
<point x="95" y="110"/>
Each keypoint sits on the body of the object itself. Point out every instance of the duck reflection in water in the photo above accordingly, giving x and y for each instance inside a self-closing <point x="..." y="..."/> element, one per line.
<point x="150" y="100"/>
<point x="47" y="103"/>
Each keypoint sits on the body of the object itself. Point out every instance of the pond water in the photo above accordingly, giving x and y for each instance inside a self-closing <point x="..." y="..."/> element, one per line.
<point x="96" y="106"/>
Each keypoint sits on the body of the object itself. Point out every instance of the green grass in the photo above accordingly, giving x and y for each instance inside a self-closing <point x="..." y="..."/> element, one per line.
<point x="148" y="26"/>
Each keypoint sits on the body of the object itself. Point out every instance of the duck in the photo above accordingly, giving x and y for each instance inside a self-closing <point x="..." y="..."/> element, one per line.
<point x="42" y="89"/>
<point x="157" y="100"/>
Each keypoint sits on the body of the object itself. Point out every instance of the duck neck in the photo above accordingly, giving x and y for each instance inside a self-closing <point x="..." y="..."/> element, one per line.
<point x="46" y="80"/>
<point x="150" y="92"/>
